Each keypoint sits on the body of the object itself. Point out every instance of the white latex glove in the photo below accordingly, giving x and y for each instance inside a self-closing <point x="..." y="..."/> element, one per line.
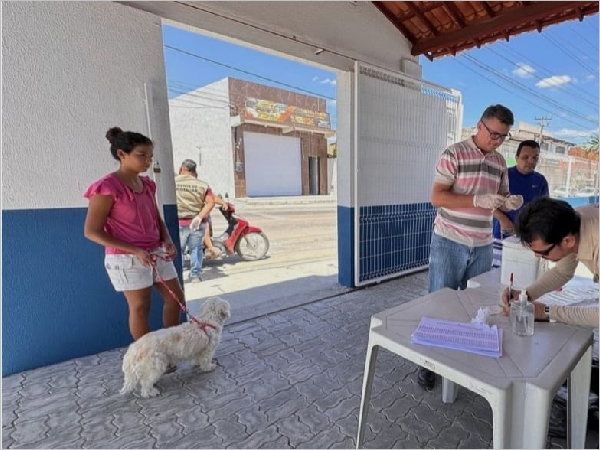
<point x="195" y="225"/>
<point x="488" y="201"/>
<point x="513" y="202"/>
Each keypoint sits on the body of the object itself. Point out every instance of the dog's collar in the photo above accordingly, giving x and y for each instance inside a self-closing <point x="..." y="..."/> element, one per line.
<point x="202" y="325"/>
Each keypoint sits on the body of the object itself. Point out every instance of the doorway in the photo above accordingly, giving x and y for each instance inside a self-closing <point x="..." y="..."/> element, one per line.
<point x="313" y="175"/>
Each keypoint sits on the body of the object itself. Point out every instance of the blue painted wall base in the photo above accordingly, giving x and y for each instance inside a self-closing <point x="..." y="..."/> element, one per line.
<point x="345" y="226"/>
<point x="393" y="239"/>
<point x="57" y="300"/>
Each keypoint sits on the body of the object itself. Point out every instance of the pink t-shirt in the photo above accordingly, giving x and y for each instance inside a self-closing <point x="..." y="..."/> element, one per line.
<point x="133" y="218"/>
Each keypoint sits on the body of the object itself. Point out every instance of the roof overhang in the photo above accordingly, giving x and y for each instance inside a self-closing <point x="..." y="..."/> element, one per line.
<point x="438" y="29"/>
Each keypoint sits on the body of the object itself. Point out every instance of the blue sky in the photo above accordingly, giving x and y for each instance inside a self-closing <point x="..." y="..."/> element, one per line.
<point x="561" y="64"/>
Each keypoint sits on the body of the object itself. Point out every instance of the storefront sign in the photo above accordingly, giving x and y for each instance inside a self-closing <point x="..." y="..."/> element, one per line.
<point x="269" y="111"/>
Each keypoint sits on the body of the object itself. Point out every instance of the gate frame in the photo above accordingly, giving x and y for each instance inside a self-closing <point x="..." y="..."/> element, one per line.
<point x="355" y="122"/>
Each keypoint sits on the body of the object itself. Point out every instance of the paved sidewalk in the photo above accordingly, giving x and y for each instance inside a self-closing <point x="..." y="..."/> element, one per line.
<point x="288" y="380"/>
<point x="324" y="200"/>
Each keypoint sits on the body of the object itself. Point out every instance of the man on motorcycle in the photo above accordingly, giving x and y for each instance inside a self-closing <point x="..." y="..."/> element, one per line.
<point x="195" y="201"/>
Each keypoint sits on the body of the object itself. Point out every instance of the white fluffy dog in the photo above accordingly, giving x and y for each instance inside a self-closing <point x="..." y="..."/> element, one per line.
<point x="148" y="357"/>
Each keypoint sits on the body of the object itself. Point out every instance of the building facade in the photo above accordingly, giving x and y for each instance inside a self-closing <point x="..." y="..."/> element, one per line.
<point x="554" y="159"/>
<point x="253" y="140"/>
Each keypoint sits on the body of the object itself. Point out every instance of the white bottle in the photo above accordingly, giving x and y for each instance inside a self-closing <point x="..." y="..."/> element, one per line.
<point x="522" y="316"/>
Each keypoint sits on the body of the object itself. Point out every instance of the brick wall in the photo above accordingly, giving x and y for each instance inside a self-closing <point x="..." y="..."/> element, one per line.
<point x="311" y="144"/>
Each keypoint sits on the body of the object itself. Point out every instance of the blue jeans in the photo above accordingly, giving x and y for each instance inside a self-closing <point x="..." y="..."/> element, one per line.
<point x="195" y="242"/>
<point x="452" y="264"/>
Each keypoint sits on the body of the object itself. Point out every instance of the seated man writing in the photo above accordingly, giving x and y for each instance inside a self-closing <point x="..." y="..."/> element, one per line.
<point x="555" y="231"/>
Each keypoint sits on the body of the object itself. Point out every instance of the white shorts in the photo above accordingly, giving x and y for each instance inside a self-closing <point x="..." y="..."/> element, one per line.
<point x="127" y="273"/>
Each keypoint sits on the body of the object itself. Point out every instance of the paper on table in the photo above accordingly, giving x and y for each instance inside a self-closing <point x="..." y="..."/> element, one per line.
<point x="571" y="296"/>
<point x="470" y="337"/>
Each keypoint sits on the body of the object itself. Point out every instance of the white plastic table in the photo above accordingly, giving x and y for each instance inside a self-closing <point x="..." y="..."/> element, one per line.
<point x="519" y="386"/>
<point x="491" y="280"/>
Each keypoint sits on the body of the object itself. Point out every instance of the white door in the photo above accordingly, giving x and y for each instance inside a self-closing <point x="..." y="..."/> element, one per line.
<point x="273" y="165"/>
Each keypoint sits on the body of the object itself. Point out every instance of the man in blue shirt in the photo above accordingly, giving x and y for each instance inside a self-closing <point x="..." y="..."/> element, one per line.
<point x="522" y="180"/>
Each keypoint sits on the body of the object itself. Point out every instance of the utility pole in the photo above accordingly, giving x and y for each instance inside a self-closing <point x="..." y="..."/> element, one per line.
<point x="543" y="121"/>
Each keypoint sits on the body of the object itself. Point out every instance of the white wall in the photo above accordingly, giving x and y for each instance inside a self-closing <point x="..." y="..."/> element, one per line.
<point x="71" y="70"/>
<point x="355" y="29"/>
<point x="200" y="123"/>
<point x="345" y="139"/>
<point x="331" y="175"/>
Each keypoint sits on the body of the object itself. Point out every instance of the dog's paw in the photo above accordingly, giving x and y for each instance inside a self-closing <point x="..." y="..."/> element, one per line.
<point x="152" y="392"/>
<point x="207" y="367"/>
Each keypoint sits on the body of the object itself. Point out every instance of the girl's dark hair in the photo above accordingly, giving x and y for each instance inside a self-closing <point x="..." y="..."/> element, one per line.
<point x="125" y="140"/>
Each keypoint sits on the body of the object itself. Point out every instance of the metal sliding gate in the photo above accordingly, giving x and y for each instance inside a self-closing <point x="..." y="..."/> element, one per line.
<point x="401" y="127"/>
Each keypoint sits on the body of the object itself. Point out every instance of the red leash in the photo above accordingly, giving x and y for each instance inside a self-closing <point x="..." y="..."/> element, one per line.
<point x="201" y="325"/>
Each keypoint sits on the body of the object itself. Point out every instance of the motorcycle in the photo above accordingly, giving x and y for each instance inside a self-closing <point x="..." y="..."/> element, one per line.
<point x="241" y="238"/>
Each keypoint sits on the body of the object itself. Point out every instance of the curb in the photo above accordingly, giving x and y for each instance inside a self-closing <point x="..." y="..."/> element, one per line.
<point x="309" y="200"/>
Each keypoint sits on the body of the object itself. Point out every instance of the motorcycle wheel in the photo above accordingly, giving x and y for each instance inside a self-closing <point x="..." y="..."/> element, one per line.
<point x="252" y="247"/>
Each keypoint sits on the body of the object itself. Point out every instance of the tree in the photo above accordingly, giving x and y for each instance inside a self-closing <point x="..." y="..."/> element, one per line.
<point x="592" y="144"/>
<point x="591" y="153"/>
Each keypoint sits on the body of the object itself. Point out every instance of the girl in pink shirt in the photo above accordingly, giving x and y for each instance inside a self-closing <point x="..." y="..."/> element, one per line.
<point x="123" y="217"/>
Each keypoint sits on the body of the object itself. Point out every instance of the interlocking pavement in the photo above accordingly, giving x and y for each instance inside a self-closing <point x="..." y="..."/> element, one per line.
<point x="288" y="380"/>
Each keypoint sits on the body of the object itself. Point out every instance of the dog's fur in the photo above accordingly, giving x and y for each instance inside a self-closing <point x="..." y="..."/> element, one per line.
<point x="148" y="357"/>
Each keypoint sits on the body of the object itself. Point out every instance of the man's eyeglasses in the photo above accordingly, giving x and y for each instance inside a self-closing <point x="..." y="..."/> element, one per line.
<point x="545" y="252"/>
<point x="494" y="134"/>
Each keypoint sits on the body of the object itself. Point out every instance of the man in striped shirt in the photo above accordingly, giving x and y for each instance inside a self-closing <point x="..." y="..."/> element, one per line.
<point x="470" y="182"/>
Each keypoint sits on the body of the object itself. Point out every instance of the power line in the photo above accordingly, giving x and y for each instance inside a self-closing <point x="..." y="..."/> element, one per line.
<point x="511" y="91"/>
<point x="526" y="88"/>
<point x="201" y="95"/>
<point x="188" y="101"/>
<point x="576" y="46"/>
<point x="568" y="53"/>
<point x="204" y="90"/>
<point x="543" y="69"/>
<point x="532" y="73"/>
<point x="583" y="38"/>
<point x="237" y="69"/>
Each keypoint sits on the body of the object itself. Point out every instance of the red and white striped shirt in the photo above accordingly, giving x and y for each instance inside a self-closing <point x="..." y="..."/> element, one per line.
<point x="469" y="171"/>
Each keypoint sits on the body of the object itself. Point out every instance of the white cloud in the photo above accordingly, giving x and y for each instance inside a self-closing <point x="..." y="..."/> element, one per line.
<point x="553" y="81"/>
<point x="330" y="81"/>
<point x="569" y="133"/>
<point x="523" y="70"/>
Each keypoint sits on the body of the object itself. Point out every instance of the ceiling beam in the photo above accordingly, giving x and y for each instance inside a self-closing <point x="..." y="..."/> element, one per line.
<point x="395" y="21"/>
<point x="411" y="15"/>
<point x="455" y="13"/>
<point x="488" y="9"/>
<point x="500" y="23"/>
<point x="421" y="15"/>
